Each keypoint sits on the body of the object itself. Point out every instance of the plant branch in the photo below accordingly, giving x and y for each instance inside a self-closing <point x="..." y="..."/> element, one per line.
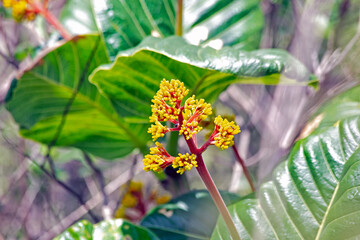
<point x="211" y="187"/>
<point x="130" y="177"/>
<point x="99" y="176"/>
<point x="10" y="59"/>
<point x="333" y="59"/>
<point x="244" y="168"/>
<point x="51" y="19"/>
<point x="52" y="175"/>
<point x="215" y="194"/>
<point x="91" y="203"/>
<point x="179" y="16"/>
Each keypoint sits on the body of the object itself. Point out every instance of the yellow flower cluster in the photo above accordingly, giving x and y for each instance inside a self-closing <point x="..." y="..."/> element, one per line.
<point x="129" y="200"/>
<point x="186" y="119"/>
<point x="158" y="159"/>
<point x="194" y="112"/>
<point x="184" y="162"/>
<point x="166" y="106"/>
<point x="166" y="102"/>
<point x="157" y="130"/>
<point x="20" y="9"/>
<point x="134" y="201"/>
<point x="225" y="132"/>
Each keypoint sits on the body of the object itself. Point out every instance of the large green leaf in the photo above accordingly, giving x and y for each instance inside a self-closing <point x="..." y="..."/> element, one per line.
<point x="312" y="195"/>
<point x="42" y="94"/>
<point x="78" y="17"/>
<point x="112" y="229"/>
<point x="133" y="79"/>
<point x="126" y="23"/>
<point x="237" y="23"/>
<point x="190" y="216"/>
<point x="343" y="106"/>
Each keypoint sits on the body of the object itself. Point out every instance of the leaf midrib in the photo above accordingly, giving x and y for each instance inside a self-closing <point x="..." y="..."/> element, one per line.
<point x="110" y="116"/>
<point x="322" y="224"/>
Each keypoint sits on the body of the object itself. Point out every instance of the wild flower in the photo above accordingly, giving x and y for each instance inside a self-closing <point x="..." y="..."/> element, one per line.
<point x="167" y="107"/>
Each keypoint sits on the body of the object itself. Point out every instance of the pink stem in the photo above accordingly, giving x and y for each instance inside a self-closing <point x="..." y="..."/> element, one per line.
<point x="245" y="170"/>
<point x="211" y="187"/>
<point x="215" y="194"/>
<point x="51" y="19"/>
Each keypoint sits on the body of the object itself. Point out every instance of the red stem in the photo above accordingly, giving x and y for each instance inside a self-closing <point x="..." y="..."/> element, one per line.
<point x="51" y="19"/>
<point x="205" y="145"/>
<point x="245" y="170"/>
<point x="211" y="187"/>
<point x="215" y="194"/>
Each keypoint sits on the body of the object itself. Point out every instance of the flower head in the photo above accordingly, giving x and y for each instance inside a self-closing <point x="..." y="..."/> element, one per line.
<point x="167" y="101"/>
<point x="186" y="119"/>
<point x="158" y="159"/>
<point x="224" y="132"/>
<point x="194" y="112"/>
<point x="157" y="130"/>
<point x="184" y="162"/>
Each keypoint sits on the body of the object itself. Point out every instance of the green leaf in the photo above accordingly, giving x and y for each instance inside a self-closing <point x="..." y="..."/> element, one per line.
<point x="133" y="79"/>
<point x="312" y="195"/>
<point x="343" y="106"/>
<point x="42" y="94"/>
<point x="236" y="23"/>
<point x="78" y="17"/>
<point x="233" y="22"/>
<point x="125" y="23"/>
<point x="112" y="229"/>
<point x="80" y="230"/>
<point x="190" y="216"/>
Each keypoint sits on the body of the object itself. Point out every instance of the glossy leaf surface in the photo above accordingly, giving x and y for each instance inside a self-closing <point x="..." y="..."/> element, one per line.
<point x="312" y="195"/>
<point x="231" y="22"/>
<point x="190" y="216"/>
<point x="236" y="23"/>
<point x="125" y="23"/>
<point x="113" y="229"/>
<point x="343" y="106"/>
<point x="133" y="79"/>
<point x="78" y="17"/>
<point x="90" y="122"/>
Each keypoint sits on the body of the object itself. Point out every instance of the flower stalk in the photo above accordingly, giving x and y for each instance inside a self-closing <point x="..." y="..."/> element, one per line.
<point x="244" y="168"/>
<point x="52" y="20"/>
<point x="215" y="194"/>
<point x="185" y="120"/>
<point x="29" y="9"/>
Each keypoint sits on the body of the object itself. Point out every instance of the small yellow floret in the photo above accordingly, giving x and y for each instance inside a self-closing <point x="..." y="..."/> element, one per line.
<point x="153" y="162"/>
<point x="7" y="3"/>
<point x="157" y="160"/>
<point x="120" y="212"/>
<point x="172" y="92"/>
<point x="189" y="129"/>
<point x="135" y="186"/>
<point x="167" y="100"/>
<point x="19" y="9"/>
<point x="194" y="112"/>
<point x="30" y="16"/>
<point x="226" y="131"/>
<point x="163" y="199"/>
<point x="129" y="201"/>
<point x="184" y="162"/>
<point x="157" y="130"/>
